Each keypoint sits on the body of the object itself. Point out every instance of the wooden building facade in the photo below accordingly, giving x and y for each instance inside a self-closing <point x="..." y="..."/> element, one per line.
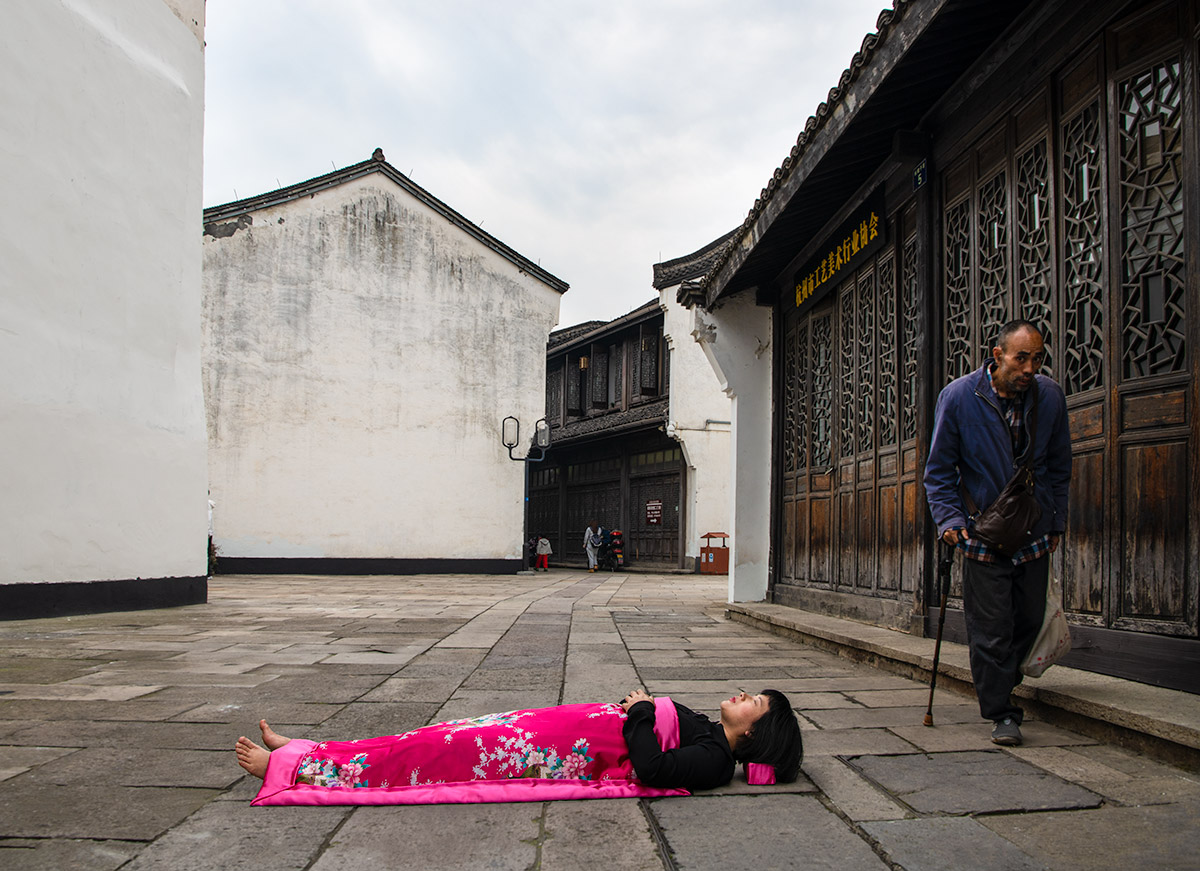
<point x="980" y="162"/>
<point x="610" y="460"/>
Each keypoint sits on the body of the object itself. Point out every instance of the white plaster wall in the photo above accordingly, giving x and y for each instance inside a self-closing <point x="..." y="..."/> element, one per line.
<point x="698" y="405"/>
<point x="736" y="339"/>
<point x="360" y="353"/>
<point x="101" y="410"/>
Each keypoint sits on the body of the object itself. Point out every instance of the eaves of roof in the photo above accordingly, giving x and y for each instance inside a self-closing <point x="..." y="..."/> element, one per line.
<point x="636" y="419"/>
<point x="557" y="337"/>
<point x="919" y="50"/>
<point x="638" y="315"/>
<point x="690" y="266"/>
<point x="378" y="164"/>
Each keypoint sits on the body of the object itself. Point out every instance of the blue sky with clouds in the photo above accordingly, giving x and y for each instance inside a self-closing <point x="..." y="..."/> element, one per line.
<point x="595" y="137"/>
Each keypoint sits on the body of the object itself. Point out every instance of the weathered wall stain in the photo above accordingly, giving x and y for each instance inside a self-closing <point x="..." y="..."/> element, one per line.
<point x="219" y="230"/>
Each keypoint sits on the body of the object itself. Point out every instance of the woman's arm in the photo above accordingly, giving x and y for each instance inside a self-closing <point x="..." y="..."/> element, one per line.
<point x="705" y="764"/>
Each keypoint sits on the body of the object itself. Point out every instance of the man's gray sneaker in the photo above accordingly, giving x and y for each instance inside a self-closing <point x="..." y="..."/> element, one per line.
<point x="1006" y="732"/>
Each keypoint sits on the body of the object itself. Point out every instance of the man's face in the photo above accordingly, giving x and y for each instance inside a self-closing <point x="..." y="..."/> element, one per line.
<point x="1017" y="361"/>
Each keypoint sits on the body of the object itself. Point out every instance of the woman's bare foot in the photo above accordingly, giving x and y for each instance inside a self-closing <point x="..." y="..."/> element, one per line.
<point x="271" y="738"/>
<point x="252" y="757"/>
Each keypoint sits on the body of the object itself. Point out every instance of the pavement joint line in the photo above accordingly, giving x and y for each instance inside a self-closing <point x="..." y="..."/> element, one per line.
<point x="665" y="853"/>
<point x="328" y="839"/>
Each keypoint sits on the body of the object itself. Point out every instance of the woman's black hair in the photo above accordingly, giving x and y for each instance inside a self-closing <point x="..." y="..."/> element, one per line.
<point x="774" y="739"/>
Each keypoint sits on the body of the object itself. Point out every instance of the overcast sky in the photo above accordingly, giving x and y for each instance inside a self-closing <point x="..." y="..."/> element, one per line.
<point x="596" y="138"/>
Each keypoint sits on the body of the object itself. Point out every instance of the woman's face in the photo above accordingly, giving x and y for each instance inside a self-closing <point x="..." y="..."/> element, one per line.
<point x="744" y="710"/>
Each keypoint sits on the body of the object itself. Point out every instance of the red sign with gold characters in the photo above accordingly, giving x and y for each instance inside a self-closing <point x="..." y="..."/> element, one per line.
<point x="653" y="512"/>
<point x="853" y="243"/>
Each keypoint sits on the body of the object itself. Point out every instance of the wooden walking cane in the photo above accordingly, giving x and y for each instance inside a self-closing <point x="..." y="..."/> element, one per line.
<point x="945" y="564"/>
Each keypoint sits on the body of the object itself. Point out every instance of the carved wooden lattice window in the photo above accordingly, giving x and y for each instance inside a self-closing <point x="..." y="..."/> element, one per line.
<point x="865" y="368"/>
<point x="911" y="319"/>
<point x="886" y="369"/>
<point x="618" y="373"/>
<point x="793" y="396"/>
<point x="1035" y="298"/>
<point x="1083" y="250"/>
<point x="801" y="380"/>
<point x="959" y="353"/>
<point x="821" y="371"/>
<point x="554" y="377"/>
<point x="1153" y="275"/>
<point x="574" y="386"/>
<point x="598" y="367"/>
<point x="993" y="261"/>
<point x="648" y="378"/>
<point x="845" y="340"/>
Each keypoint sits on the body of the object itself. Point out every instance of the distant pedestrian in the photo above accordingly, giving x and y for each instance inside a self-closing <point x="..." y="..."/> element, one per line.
<point x="592" y="539"/>
<point x="543" y="553"/>
<point x="981" y="437"/>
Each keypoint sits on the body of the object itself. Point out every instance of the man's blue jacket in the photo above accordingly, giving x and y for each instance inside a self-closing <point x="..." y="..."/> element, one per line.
<point x="971" y="441"/>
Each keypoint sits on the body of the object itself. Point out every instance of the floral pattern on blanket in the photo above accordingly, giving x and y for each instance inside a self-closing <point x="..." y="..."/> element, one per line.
<point x="570" y="742"/>
<point x="326" y="772"/>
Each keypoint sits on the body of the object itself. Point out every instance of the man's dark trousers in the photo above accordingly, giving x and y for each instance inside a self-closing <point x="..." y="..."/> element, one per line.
<point x="1004" y="606"/>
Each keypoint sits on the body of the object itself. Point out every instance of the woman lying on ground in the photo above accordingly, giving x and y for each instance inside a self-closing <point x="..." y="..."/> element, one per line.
<point x="668" y="746"/>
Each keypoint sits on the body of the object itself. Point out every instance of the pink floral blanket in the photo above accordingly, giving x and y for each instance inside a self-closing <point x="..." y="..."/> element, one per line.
<point x="565" y="752"/>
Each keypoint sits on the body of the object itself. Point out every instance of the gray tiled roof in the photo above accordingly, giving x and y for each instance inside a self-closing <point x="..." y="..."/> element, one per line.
<point x="690" y="266"/>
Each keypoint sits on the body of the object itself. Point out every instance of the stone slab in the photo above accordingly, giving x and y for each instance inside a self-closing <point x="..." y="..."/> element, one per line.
<point x="144" y="708"/>
<point x="853" y="742"/>
<point x="127" y="766"/>
<point x="745" y="832"/>
<point x="372" y="719"/>
<point x="233" y="837"/>
<point x="251" y="711"/>
<point x="96" y="810"/>
<point x="847" y="718"/>
<point x="972" y="782"/>
<point x="57" y="854"/>
<point x="43" y="669"/>
<point x="1163" y="838"/>
<point x="489" y="677"/>
<point x="419" y="689"/>
<point x="737" y="673"/>
<point x="499" y="837"/>
<point x="182" y="736"/>
<point x="854" y="795"/>
<point x="582" y="835"/>
<point x="900" y="698"/>
<point x="1158" y="784"/>
<point x="17" y="760"/>
<point x="598" y="655"/>
<point x="76" y="692"/>
<point x="941" y="843"/>
<point x="472" y="703"/>
<point x="965" y="736"/>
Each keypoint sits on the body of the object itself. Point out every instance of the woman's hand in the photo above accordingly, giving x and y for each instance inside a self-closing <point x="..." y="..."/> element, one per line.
<point x="634" y="697"/>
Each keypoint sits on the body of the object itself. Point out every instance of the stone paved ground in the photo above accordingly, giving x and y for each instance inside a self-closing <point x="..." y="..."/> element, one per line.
<point x="115" y="732"/>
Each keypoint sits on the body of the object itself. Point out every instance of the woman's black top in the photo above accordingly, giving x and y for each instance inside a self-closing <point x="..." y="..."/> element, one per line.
<point x="702" y="760"/>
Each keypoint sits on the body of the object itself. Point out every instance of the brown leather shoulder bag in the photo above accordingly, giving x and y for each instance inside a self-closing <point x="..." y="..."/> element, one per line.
<point x="1007" y="524"/>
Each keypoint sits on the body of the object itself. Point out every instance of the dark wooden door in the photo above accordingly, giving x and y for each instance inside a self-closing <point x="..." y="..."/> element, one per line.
<point x="1072" y="212"/>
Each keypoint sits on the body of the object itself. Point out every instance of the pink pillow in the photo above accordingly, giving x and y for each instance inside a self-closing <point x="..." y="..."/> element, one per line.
<point x="759" y="774"/>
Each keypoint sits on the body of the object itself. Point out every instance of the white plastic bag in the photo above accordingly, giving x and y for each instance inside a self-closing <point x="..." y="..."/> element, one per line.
<point x="1054" y="640"/>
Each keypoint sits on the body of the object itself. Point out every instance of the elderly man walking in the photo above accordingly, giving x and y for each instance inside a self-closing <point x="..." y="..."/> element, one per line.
<point x="981" y="438"/>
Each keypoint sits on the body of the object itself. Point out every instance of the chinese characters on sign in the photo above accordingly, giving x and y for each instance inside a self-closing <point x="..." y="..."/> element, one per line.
<point x="653" y="512"/>
<point x="855" y="240"/>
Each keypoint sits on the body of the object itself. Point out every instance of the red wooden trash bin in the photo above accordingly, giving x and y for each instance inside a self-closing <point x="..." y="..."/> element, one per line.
<point x="714" y="560"/>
